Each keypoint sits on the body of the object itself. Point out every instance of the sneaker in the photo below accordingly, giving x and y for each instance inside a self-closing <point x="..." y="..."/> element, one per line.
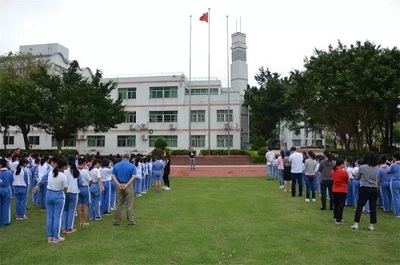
<point x="354" y="227"/>
<point x="313" y="200"/>
<point x="131" y="223"/>
<point x="307" y="200"/>
<point x="98" y="219"/>
<point x="58" y="240"/>
<point x="167" y="188"/>
<point x="281" y="187"/>
<point x="70" y="231"/>
<point x="144" y="192"/>
<point x="50" y="240"/>
<point x="371" y="227"/>
<point x="116" y="223"/>
<point x="163" y="188"/>
<point x="284" y="190"/>
<point x="339" y="223"/>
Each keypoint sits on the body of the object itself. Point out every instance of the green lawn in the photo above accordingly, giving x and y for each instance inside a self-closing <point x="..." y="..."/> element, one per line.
<point x="211" y="221"/>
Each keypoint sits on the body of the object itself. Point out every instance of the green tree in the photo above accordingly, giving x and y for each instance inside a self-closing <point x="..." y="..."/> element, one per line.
<point x="351" y="91"/>
<point x="71" y="102"/>
<point x="19" y="97"/>
<point x="268" y="103"/>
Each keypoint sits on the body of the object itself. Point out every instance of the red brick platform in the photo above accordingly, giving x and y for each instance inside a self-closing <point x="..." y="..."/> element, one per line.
<point x="255" y="170"/>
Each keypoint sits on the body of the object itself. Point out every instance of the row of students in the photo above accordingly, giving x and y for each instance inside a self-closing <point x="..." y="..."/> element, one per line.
<point x="360" y="184"/>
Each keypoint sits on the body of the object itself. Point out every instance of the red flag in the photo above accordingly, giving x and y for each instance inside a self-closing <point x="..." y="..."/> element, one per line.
<point x="204" y="17"/>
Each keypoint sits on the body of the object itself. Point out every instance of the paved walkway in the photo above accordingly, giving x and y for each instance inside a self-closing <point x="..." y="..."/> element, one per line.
<point x="219" y="171"/>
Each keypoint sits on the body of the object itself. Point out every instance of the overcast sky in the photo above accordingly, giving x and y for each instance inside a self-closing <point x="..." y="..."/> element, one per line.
<point x="140" y="37"/>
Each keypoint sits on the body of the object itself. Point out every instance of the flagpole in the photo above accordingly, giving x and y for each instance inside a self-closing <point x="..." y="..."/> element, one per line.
<point x="209" y="89"/>
<point x="190" y="83"/>
<point x="229" y="90"/>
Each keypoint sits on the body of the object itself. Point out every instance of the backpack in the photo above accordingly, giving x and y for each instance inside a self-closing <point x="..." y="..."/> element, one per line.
<point x="286" y="162"/>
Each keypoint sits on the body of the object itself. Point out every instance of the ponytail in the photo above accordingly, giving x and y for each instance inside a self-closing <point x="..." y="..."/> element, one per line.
<point x="60" y="164"/>
<point x="22" y="162"/>
<point x="94" y="162"/>
<point x="72" y="166"/>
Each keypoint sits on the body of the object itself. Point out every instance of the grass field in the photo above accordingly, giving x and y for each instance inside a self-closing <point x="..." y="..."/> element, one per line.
<point x="211" y="221"/>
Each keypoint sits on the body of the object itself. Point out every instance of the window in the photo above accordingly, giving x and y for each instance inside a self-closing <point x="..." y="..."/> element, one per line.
<point x="222" y="140"/>
<point x="71" y="142"/>
<point x="172" y="140"/>
<point x="127" y="93"/>
<point x="222" y="115"/>
<point x="34" y="140"/>
<point x="202" y="91"/>
<point x="126" y="141"/>
<point x="164" y="92"/>
<point x="297" y="132"/>
<point x="296" y="142"/>
<point x="318" y="142"/>
<point x="198" y="140"/>
<point x="8" y="140"/>
<point x="131" y="117"/>
<point x="163" y="116"/>
<point x="96" y="141"/>
<point x="198" y="116"/>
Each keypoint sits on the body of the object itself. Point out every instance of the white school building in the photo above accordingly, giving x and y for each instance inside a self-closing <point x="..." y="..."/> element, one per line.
<point x="171" y="106"/>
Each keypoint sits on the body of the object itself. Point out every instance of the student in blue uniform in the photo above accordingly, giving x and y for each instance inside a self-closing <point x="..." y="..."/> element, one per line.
<point x="6" y="180"/>
<point x="158" y="171"/>
<point x="21" y="182"/>
<point x="71" y="196"/>
<point x="55" y="199"/>
<point x="113" y="186"/>
<point x="35" y="179"/>
<point x="394" y="172"/>
<point x="84" y="192"/>
<point x="43" y="170"/>
<point x="384" y="184"/>
<point x="105" y="173"/>
<point x="95" y="191"/>
<point x="139" y="177"/>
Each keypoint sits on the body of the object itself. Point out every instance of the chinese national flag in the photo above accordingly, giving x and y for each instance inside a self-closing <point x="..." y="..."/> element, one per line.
<point x="204" y="17"/>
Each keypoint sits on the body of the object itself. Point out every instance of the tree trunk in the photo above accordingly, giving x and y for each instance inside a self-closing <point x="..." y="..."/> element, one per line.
<point x="59" y="145"/>
<point x="25" y="130"/>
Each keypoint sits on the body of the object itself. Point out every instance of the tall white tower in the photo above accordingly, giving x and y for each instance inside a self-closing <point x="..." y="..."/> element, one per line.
<point x="239" y="80"/>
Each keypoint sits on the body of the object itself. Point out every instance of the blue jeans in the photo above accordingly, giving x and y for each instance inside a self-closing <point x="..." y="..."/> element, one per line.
<point x="270" y="172"/>
<point x="310" y="186"/>
<point x="280" y="175"/>
<point x="350" y="193"/>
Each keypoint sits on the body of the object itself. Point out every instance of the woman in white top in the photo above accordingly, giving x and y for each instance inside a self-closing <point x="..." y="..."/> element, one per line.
<point x="21" y="181"/>
<point x="95" y="191"/>
<point x="55" y="199"/>
<point x="350" y="186"/>
<point x="71" y="199"/>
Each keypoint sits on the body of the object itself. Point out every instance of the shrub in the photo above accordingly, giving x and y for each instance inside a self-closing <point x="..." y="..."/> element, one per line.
<point x="160" y="143"/>
<point x="256" y="159"/>
<point x="262" y="151"/>
<point x="214" y="152"/>
<point x="157" y="153"/>
<point x="260" y="142"/>
<point x="178" y="152"/>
